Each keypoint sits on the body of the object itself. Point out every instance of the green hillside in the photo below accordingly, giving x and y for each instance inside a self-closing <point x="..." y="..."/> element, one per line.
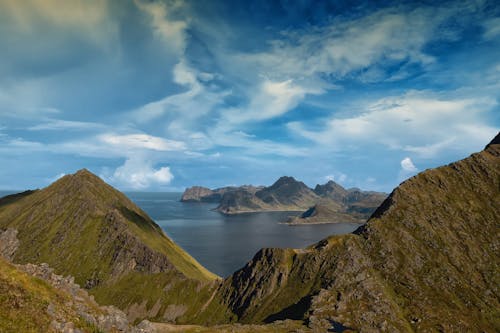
<point x="24" y="301"/>
<point x="427" y="260"/>
<point x="83" y="227"/>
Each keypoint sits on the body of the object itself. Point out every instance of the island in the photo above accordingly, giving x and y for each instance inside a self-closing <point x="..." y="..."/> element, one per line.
<point x="327" y="203"/>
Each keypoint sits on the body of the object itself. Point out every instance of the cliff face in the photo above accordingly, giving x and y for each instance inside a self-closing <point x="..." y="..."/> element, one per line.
<point x="203" y="194"/>
<point x="427" y="260"/>
<point x="83" y="227"/>
<point x="200" y="194"/>
<point x="286" y="194"/>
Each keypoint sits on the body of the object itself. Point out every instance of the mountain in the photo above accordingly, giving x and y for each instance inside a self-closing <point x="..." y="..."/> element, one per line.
<point x="324" y="213"/>
<point x="328" y="203"/>
<point x="356" y="203"/>
<point x="83" y="227"/>
<point x="203" y="194"/>
<point x="427" y="260"/>
<point x="331" y="190"/>
<point x="200" y="194"/>
<point x="286" y="194"/>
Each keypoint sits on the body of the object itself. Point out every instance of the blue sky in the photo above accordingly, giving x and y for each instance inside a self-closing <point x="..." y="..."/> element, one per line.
<point x="160" y="95"/>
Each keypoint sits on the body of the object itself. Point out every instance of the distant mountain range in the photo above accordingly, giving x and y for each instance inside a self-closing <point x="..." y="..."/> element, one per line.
<point x="426" y="261"/>
<point x="328" y="203"/>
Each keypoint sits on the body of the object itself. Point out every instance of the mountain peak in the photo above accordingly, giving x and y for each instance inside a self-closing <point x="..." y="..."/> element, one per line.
<point x="83" y="172"/>
<point x="495" y="141"/>
<point x="80" y="175"/>
<point x="86" y="185"/>
<point x="285" y="180"/>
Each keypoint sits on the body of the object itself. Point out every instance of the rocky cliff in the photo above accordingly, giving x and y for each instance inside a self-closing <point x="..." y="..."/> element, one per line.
<point x="427" y="260"/>
<point x="203" y="194"/>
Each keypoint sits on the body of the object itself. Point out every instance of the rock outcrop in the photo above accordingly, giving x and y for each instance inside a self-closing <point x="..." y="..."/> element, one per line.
<point x="78" y="313"/>
<point x="203" y="194"/>
<point x="200" y="194"/>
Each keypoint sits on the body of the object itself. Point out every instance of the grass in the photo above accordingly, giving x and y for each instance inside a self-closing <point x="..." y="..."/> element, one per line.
<point x="24" y="301"/>
<point x="67" y="226"/>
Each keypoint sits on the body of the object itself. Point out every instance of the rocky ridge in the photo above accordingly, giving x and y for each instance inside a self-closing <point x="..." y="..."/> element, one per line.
<point x="427" y="260"/>
<point x="83" y="227"/>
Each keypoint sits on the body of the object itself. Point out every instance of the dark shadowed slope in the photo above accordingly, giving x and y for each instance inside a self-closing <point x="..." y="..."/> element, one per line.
<point x="427" y="260"/>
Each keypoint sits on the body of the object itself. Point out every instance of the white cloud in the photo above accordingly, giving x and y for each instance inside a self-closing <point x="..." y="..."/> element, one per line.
<point x="492" y="28"/>
<point x="172" y="32"/>
<point x="338" y="177"/>
<point x="430" y="150"/>
<point x="251" y="145"/>
<point x="385" y="37"/>
<point x="138" y="174"/>
<point x="141" y="141"/>
<point x="407" y="168"/>
<point x="53" y="179"/>
<point x="419" y="122"/>
<point x="86" y="15"/>
<point x="407" y="165"/>
<point x="272" y="99"/>
<point x="58" y="124"/>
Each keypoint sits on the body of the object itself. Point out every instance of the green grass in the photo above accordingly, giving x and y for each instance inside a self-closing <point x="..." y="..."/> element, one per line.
<point x="24" y="301"/>
<point x="67" y="226"/>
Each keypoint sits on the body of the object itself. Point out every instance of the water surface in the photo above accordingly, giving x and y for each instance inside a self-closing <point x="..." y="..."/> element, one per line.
<point x="225" y="243"/>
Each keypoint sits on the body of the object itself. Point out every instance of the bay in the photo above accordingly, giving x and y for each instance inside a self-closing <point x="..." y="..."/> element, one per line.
<point x="225" y="243"/>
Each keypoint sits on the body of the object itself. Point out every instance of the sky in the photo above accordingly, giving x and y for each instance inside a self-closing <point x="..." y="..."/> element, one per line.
<point x="162" y="95"/>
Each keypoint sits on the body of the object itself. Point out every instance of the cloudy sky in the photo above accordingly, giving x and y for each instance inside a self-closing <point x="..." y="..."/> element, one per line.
<point x="160" y="95"/>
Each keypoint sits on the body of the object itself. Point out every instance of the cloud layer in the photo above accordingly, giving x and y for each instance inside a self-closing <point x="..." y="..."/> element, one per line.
<point x="231" y="92"/>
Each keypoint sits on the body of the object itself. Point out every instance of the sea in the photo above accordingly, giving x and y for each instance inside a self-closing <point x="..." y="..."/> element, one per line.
<point x="225" y="243"/>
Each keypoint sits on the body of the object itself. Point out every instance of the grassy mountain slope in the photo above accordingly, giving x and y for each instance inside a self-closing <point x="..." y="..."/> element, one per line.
<point x="83" y="227"/>
<point x="25" y="302"/>
<point x="427" y="260"/>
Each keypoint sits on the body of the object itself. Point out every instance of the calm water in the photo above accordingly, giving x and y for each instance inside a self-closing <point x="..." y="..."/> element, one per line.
<point x="225" y="243"/>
